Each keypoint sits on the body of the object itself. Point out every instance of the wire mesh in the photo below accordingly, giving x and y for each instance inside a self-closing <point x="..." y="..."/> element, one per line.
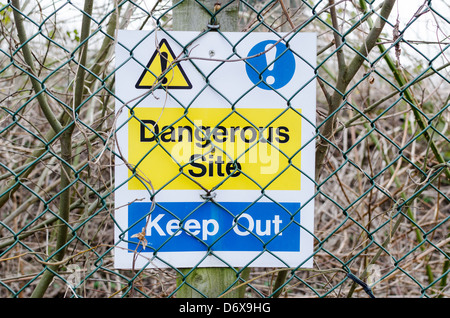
<point x="382" y="197"/>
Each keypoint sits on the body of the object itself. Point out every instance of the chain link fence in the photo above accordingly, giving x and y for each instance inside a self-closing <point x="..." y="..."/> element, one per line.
<point x="382" y="175"/>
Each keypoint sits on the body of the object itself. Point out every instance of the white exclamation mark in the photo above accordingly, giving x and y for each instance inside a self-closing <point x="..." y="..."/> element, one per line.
<point x="270" y="58"/>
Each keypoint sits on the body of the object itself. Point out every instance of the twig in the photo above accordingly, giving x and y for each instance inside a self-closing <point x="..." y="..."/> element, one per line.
<point x="66" y="155"/>
<point x="286" y="13"/>
<point x="43" y="103"/>
<point x="346" y="75"/>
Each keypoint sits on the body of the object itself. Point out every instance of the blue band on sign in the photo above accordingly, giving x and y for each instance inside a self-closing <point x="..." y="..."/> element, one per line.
<point x="195" y="226"/>
<point x="275" y="67"/>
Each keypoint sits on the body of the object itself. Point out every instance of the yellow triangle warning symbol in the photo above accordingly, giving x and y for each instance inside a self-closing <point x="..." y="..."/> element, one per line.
<point x="161" y="63"/>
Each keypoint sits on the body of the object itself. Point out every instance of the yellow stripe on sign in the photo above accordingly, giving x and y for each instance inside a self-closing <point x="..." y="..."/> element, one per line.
<point x="215" y="148"/>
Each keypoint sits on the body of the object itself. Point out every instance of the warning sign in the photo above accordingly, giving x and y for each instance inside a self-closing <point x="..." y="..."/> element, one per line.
<point x="217" y="167"/>
<point x="163" y="71"/>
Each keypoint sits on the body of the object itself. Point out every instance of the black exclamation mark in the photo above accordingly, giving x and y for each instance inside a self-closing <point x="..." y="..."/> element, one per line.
<point x="164" y="57"/>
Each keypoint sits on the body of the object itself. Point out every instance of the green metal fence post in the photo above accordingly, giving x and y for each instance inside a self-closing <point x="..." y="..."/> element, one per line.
<point x="191" y="16"/>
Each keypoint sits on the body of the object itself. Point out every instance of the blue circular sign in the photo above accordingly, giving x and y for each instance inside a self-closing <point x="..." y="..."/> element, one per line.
<point x="273" y="69"/>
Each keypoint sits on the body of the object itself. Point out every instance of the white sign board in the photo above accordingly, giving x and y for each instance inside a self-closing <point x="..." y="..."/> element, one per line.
<point x="217" y="136"/>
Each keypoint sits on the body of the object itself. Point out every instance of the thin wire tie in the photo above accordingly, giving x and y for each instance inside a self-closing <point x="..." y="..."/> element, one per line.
<point x="213" y="26"/>
<point x="208" y="195"/>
